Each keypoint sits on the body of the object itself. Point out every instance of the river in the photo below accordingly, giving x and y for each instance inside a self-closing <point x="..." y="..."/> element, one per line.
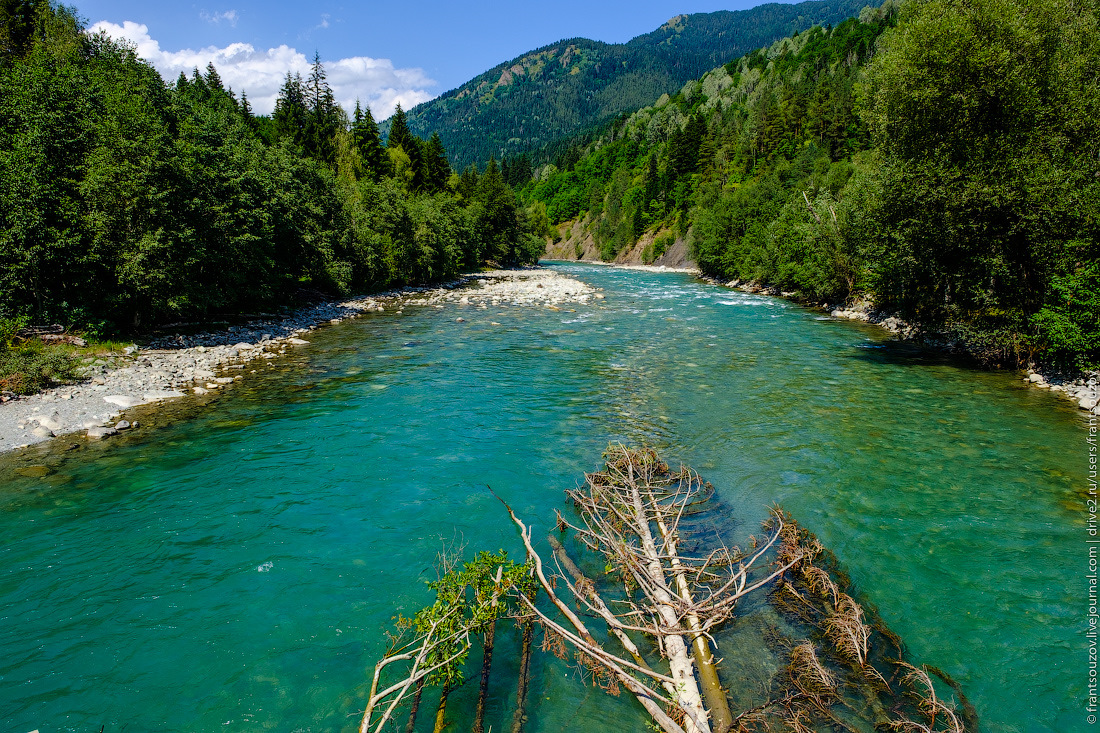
<point x="234" y="566"/>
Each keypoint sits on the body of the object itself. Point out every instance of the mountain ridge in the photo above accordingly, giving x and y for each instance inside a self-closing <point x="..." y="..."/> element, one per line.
<point x="564" y="87"/>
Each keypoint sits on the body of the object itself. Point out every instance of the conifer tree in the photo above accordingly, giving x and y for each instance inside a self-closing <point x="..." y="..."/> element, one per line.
<point x="291" y="114"/>
<point x="213" y="79"/>
<point x="324" y="114"/>
<point x="437" y="168"/>
<point x="399" y="130"/>
<point x="368" y="142"/>
<point x="467" y="183"/>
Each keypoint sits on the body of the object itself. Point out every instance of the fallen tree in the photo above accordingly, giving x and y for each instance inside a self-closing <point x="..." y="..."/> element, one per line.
<point x="651" y="630"/>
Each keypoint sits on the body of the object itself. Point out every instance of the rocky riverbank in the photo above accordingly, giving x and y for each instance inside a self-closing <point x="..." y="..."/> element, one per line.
<point x="174" y="366"/>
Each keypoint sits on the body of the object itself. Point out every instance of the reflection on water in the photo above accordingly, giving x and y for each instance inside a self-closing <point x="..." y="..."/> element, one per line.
<point x="233" y="563"/>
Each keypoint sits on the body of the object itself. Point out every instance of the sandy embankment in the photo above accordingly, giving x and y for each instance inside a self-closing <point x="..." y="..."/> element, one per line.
<point x="172" y="367"/>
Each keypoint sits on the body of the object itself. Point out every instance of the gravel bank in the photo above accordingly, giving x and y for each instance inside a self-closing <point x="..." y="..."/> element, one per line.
<point x="172" y="367"/>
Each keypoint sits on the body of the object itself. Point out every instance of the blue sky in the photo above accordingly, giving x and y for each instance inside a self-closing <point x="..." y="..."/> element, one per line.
<point x="379" y="52"/>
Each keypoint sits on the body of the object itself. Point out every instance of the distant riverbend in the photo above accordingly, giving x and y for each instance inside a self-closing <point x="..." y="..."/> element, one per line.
<point x="233" y="566"/>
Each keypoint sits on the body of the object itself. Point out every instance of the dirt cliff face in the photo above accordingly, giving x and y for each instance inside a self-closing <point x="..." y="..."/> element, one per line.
<point x="579" y="244"/>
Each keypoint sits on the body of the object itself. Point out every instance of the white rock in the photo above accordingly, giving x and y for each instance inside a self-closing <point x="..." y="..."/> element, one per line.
<point x="1087" y="403"/>
<point x="53" y="422"/>
<point x="165" y="394"/>
<point x="123" y="401"/>
<point x="200" y="390"/>
<point x="100" y="433"/>
<point x="297" y="342"/>
<point x="122" y="425"/>
<point x="42" y="432"/>
<point x="224" y="380"/>
<point x="1036" y="378"/>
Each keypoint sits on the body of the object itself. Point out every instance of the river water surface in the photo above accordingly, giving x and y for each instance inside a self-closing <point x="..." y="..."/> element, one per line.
<point x="236" y="570"/>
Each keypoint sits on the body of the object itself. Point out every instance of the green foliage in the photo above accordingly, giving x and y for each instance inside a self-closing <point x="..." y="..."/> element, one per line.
<point x="29" y="366"/>
<point x="736" y="153"/>
<point x="941" y="161"/>
<point x="657" y="247"/>
<point x="468" y="600"/>
<point x="125" y="202"/>
<point x="991" y="214"/>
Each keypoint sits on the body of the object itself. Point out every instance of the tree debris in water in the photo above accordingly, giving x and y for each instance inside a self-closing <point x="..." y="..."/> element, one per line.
<point x="650" y="624"/>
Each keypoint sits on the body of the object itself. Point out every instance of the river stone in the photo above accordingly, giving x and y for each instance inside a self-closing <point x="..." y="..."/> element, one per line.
<point x="123" y="401"/>
<point x="100" y="433"/>
<point x="1087" y="403"/>
<point x="42" y="432"/>
<point x="166" y="394"/>
<point x="1035" y="378"/>
<point x="297" y="342"/>
<point x="53" y="422"/>
<point x="122" y="425"/>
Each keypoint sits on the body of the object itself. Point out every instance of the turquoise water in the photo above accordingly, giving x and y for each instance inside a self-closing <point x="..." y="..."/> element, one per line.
<point x="235" y="570"/>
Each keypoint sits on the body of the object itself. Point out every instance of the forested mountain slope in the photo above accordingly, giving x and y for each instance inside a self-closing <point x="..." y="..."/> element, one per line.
<point x="936" y="158"/>
<point x="562" y="88"/>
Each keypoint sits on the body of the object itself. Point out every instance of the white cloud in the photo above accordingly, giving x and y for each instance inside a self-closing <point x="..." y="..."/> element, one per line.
<point x="261" y="73"/>
<point x="324" y="20"/>
<point x="229" y="16"/>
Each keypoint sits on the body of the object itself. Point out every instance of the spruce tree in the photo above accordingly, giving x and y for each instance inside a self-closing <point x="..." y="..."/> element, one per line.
<point x="399" y="130"/>
<point x="437" y="168"/>
<point x="213" y="80"/>
<point x="291" y="114"/>
<point x="368" y="142"/>
<point x="467" y="183"/>
<point x="324" y="114"/>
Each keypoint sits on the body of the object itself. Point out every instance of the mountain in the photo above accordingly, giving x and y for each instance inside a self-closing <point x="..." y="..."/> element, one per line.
<point x="565" y="87"/>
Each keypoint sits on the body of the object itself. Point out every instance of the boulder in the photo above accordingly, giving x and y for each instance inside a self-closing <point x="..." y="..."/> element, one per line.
<point x="100" y="433"/>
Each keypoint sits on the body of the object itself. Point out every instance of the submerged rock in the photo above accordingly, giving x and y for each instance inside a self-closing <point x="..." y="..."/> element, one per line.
<point x="100" y="433"/>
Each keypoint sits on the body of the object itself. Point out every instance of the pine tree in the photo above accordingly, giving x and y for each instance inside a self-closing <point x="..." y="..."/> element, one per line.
<point x="213" y="80"/>
<point x="436" y="166"/>
<point x="291" y="114"/>
<point x="399" y="130"/>
<point x="246" y="113"/>
<point x="414" y="148"/>
<point x="467" y="183"/>
<point x="368" y="142"/>
<point x="324" y="114"/>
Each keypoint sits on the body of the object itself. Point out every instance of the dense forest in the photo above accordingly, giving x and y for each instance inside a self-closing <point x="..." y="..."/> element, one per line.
<point x="938" y="159"/>
<point x="126" y="201"/>
<point x="570" y="86"/>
